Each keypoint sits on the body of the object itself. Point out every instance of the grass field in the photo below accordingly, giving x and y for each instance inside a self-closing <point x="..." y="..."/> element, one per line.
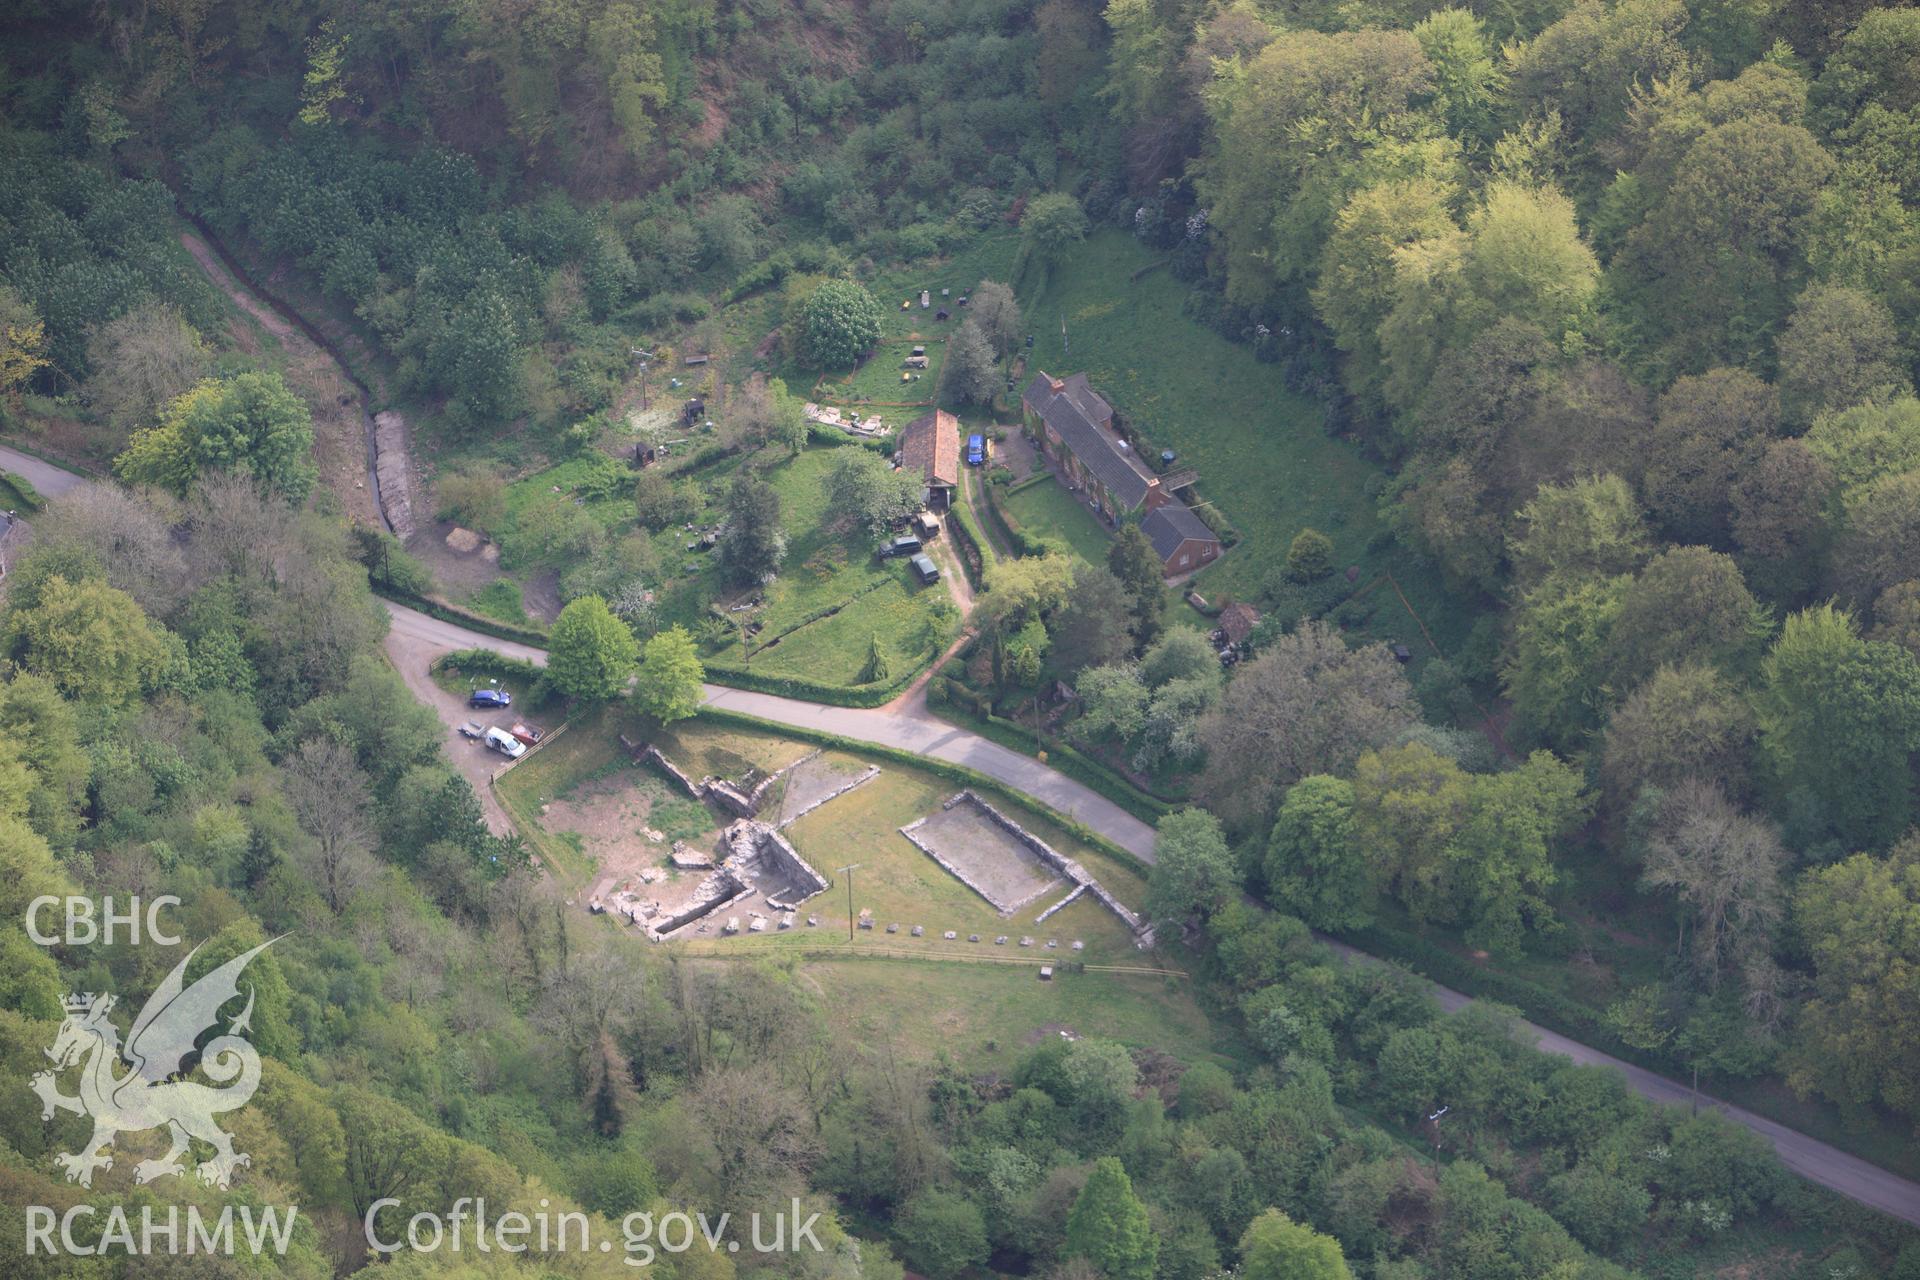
<point x="1261" y="452"/>
<point x="1047" y="510"/>
<point x="879" y="379"/>
<point x="828" y="564"/>
<point x="985" y="1018"/>
<point x="903" y="886"/>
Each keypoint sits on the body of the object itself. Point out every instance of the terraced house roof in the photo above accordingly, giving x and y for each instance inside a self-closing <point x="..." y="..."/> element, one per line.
<point x="1084" y="423"/>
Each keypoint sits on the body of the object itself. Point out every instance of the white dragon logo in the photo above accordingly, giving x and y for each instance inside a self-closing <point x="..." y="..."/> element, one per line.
<point x="148" y="1096"/>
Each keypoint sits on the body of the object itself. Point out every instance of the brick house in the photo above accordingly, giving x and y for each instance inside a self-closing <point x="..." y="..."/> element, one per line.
<point x="1074" y="428"/>
<point x="1180" y="538"/>
<point x="930" y="444"/>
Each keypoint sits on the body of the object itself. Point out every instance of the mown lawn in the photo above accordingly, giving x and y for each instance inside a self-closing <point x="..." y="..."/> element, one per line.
<point x="1047" y="510"/>
<point x="1262" y="454"/>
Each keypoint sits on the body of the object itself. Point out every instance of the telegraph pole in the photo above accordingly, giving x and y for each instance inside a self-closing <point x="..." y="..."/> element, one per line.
<point x="646" y="362"/>
<point x="848" y="871"/>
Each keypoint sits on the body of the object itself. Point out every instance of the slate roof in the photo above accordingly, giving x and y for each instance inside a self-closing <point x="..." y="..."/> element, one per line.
<point x="1169" y="526"/>
<point x="931" y="445"/>
<point x="1081" y="418"/>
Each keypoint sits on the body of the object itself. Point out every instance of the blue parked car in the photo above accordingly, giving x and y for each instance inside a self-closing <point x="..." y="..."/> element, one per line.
<point x="976" y="450"/>
<point x="489" y="698"/>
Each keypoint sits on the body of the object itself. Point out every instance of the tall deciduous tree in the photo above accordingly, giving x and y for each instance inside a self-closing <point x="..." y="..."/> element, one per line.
<point x="1861" y="922"/>
<point x="142" y="361"/>
<point x="1554" y="670"/>
<point x="1314" y="867"/>
<point x="669" y="684"/>
<point x="91" y="640"/>
<point x="1091" y="629"/>
<point x="752" y="544"/>
<point x="1688" y="605"/>
<point x="842" y="322"/>
<point x="1051" y="225"/>
<point x="1193" y="870"/>
<point x="1275" y="1247"/>
<point x="1291" y="128"/>
<point x="1684" y="722"/>
<point x="329" y="793"/>
<point x="591" y="653"/>
<point x="1725" y="866"/>
<point x="1586" y="528"/>
<point x="969" y="374"/>
<point x="1109" y="1226"/>
<point x="23" y="341"/>
<point x="1308" y="704"/>
<point x="1134" y="561"/>
<point x="863" y="487"/>
<point x="250" y="424"/>
<point x="1709" y="430"/>
<point x="991" y="305"/>
<point x="1467" y="848"/>
<point x="1839" y="348"/>
<point x="1839" y="722"/>
<point x="1357" y="269"/>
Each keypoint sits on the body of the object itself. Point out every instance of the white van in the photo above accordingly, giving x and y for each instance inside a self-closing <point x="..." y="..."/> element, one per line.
<point x="505" y="743"/>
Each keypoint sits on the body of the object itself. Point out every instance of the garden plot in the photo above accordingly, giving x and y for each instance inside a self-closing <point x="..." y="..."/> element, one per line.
<point x="984" y="853"/>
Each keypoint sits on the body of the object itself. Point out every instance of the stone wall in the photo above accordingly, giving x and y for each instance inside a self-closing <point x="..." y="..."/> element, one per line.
<point x="1053" y="858"/>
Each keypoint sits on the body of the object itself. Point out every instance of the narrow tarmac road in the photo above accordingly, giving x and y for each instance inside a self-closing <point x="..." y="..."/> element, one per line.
<point x="50" y="480"/>
<point x="911" y="727"/>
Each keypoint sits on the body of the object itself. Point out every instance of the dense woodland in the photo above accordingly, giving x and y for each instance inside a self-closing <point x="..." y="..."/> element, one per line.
<point x="1623" y="297"/>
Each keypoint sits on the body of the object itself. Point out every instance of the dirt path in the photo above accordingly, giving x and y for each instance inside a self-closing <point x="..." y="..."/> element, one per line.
<point x="339" y="412"/>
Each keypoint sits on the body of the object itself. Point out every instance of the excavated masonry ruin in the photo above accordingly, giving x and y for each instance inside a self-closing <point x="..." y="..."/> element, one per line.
<point x="756" y="861"/>
<point x="759" y="862"/>
<point x="991" y="881"/>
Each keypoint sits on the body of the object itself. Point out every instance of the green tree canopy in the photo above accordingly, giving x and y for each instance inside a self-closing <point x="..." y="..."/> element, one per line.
<point x="1275" y="1247"/>
<point x="942" y="1234"/>
<point x="1861" y="922"/>
<point x="89" y="639"/>
<point x="1109" y="1226"/>
<point x="842" y="322"/>
<point x="1193" y="870"/>
<point x="1839" y="721"/>
<point x="1134" y="561"/>
<point x="1314" y="868"/>
<point x="1051" y="225"/>
<point x="591" y="653"/>
<point x="969" y="374"/>
<point x="752" y="543"/>
<point x="669" y="684"/>
<point x="250" y="423"/>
